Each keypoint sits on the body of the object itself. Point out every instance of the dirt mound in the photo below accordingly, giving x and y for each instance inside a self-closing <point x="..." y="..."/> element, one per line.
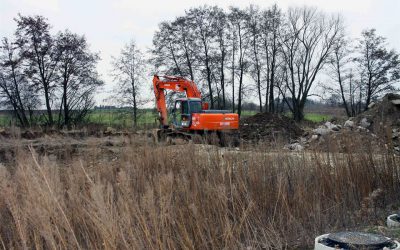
<point x="268" y="127"/>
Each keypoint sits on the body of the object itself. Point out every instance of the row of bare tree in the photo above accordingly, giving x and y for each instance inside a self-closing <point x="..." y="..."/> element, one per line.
<point x="361" y="71"/>
<point x="235" y="55"/>
<point x="40" y="69"/>
<point x="275" y="56"/>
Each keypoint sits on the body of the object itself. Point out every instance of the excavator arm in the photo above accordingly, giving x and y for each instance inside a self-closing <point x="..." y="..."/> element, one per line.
<point x="177" y="84"/>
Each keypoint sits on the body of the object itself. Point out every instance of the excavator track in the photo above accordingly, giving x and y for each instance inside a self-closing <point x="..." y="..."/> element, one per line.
<point x="220" y="138"/>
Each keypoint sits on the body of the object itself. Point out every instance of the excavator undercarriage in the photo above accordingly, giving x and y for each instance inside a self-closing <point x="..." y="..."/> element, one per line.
<point x="172" y="136"/>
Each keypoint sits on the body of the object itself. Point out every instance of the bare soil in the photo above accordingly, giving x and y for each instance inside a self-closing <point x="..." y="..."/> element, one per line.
<point x="268" y="127"/>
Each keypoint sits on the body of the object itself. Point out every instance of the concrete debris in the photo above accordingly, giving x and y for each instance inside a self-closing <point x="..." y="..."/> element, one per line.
<point x="349" y="124"/>
<point x="329" y="125"/>
<point x="313" y="138"/>
<point x="110" y="131"/>
<point x="371" y="105"/>
<point x="327" y="128"/>
<point x="303" y="140"/>
<point x="365" y="123"/>
<point x="321" y="130"/>
<point x="360" y="129"/>
<point x="396" y="102"/>
<point x="395" y="134"/>
<point x="294" y="147"/>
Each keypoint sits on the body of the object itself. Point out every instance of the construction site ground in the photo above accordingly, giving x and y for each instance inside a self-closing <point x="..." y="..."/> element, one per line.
<point x="291" y="151"/>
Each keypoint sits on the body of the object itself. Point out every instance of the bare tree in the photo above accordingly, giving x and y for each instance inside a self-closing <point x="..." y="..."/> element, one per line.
<point x="222" y="37"/>
<point x="38" y="47"/>
<point x="254" y="26"/>
<point x="340" y="70"/>
<point x="165" y="52"/>
<point x="379" y="68"/>
<point x="15" y="90"/>
<point x="307" y="42"/>
<point x="238" y="18"/>
<point x="233" y="47"/>
<point x="128" y="71"/>
<point x="270" y="31"/>
<point x="78" y="78"/>
<point x="203" y="21"/>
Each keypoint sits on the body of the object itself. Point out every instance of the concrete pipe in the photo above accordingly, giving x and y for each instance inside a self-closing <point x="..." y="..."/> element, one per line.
<point x="354" y="240"/>
<point x="393" y="221"/>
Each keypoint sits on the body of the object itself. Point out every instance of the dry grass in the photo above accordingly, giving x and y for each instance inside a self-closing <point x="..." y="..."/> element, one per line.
<point x="191" y="197"/>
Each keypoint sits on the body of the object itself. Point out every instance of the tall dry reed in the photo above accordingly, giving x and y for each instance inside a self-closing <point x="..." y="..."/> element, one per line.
<point x="191" y="197"/>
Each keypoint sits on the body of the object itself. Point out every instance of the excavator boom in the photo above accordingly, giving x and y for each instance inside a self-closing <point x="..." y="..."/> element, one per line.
<point x="177" y="84"/>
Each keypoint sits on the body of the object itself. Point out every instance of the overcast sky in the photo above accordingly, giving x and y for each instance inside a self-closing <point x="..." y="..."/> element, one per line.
<point x="109" y="24"/>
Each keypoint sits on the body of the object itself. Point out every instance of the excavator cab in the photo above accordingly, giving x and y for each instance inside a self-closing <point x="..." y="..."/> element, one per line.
<point x="183" y="110"/>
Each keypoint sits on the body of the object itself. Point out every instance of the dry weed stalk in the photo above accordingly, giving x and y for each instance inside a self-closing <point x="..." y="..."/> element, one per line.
<point x="190" y="197"/>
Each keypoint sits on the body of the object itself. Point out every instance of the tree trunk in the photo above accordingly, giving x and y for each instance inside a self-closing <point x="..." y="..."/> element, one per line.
<point x="66" y="108"/>
<point x="233" y="78"/>
<point x="369" y="93"/>
<point x="209" y="84"/>
<point x="272" y="80"/>
<point x="240" y="92"/>
<point x="223" y="82"/>
<point x="48" y="106"/>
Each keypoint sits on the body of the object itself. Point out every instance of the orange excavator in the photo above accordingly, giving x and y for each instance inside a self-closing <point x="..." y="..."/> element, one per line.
<point x="190" y="116"/>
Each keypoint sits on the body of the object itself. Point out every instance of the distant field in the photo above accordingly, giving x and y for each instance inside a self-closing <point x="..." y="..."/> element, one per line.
<point x="4" y="120"/>
<point x="314" y="117"/>
<point x="122" y="118"/>
<point x="146" y="118"/>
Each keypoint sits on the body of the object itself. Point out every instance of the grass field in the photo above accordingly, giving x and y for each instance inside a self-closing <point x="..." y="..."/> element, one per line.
<point x="4" y="120"/>
<point x="315" y="117"/>
<point x="122" y="118"/>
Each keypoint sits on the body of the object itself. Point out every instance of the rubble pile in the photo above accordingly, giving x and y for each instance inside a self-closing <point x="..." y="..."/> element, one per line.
<point x="378" y="126"/>
<point x="268" y="127"/>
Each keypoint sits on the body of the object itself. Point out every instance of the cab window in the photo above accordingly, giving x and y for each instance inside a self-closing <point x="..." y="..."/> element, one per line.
<point x="185" y="108"/>
<point x="195" y="107"/>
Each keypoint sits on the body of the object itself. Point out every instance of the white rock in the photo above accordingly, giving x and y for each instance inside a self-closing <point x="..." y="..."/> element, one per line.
<point x="391" y="221"/>
<point x="371" y="105"/>
<point x="331" y="126"/>
<point x="359" y="128"/>
<point x="349" y="124"/>
<point x="365" y="123"/>
<point x="396" y="102"/>
<point x="313" y="138"/>
<point x="335" y="128"/>
<point x="321" y="131"/>
<point x="328" y="124"/>
<point x="295" y="147"/>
